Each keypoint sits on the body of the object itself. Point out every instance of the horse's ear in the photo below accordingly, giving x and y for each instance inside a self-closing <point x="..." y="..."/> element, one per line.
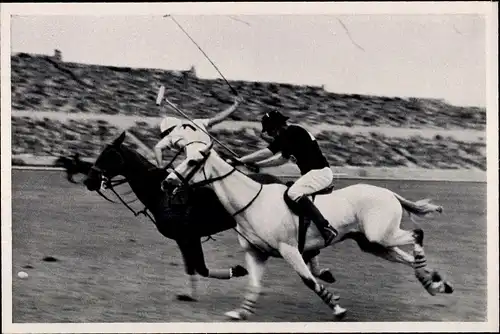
<point x="207" y="149"/>
<point x="118" y="141"/>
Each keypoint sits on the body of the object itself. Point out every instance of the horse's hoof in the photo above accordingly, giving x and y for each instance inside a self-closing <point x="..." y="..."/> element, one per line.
<point x="186" y="298"/>
<point x="235" y="315"/>
<point x="436" y="277"/>
<point x="432" y="290"/>
<point x="327" y="276"/>
<point x="239" y="271"/>
<point x="448" y="288"/>
<point x="339" y="312"/>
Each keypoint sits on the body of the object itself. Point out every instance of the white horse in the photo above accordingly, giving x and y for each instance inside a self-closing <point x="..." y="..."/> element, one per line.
<point x="267" y="226"/>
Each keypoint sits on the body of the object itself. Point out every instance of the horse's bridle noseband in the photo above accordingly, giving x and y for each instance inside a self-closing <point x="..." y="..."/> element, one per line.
<point x="109" y="183"/>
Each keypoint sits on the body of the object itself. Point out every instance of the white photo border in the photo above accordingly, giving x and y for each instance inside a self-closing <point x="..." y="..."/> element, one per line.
<point x="488" y="9"/>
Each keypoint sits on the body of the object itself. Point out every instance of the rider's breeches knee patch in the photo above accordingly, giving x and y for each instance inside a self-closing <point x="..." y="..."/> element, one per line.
<point x="293" y="194"/>
<point x="309" y="183"/>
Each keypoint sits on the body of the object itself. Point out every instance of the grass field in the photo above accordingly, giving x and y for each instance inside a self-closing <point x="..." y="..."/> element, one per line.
<point x="114" y="267"/>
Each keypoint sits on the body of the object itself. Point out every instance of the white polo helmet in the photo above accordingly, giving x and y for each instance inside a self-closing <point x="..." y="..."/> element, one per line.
<point x="169" y="123"/>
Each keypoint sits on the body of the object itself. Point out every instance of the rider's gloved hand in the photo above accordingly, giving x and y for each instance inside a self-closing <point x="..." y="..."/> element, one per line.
<point x="238" y="99"/>
<point x="234" y="161"/>
<point x="253" y="168"/>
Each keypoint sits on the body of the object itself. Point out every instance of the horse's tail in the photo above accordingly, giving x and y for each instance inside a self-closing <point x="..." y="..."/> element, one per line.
<point x="419" y="208"/>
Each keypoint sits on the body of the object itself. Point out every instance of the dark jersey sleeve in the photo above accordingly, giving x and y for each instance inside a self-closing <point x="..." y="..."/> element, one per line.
<point x="276" y="145"/>
<point x="288" y="140"/>
<point x="300" y="135"/>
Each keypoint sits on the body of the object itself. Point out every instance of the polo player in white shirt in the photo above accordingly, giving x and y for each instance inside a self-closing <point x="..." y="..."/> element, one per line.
<point x="180" y="134"/>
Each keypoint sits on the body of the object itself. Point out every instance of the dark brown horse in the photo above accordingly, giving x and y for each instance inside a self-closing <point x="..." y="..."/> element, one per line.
<point x="185" y="217"/>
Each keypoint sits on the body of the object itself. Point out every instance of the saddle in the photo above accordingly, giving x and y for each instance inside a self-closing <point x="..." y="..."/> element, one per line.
<point x="324" y="191"/>
<point x="304" y="222"/>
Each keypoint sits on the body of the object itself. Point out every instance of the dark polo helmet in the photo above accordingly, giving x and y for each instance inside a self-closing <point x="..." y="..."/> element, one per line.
<point x="272" y="120"/>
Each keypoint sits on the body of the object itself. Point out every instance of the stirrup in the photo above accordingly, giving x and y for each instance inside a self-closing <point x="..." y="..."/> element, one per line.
<point x="333" y="233"/>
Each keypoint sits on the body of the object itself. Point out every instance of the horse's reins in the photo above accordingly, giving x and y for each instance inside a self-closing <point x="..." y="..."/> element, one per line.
<point x="190" y="175"/>
<point x="110" y="184"/>
<point x="114" y="183"/>
<point x="136" y="213"/>
<point x="205" y="182"/>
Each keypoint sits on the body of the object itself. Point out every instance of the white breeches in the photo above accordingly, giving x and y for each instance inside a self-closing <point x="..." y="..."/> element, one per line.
<point x="314" y="180"/>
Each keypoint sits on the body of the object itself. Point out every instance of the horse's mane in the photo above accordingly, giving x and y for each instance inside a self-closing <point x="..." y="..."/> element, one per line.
<point x="264" y="178"/>
<point x="147" y="164"/>
<point x="62" y="159"/>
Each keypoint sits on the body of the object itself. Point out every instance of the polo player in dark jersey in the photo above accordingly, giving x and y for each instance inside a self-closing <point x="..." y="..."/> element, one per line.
<point x="293" y="142"/>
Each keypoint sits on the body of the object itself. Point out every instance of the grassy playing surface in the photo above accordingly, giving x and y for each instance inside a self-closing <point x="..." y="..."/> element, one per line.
<point x="114" y="267"/>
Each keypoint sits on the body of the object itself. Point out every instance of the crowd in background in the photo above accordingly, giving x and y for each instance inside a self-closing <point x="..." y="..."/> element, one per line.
<point x="54" y="138"/>
<point x="42" y="83"/>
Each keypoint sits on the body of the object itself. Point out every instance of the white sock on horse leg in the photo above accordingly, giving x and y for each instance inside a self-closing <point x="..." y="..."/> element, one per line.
<point x="421" y="270"/>
<point x="419" y="255"/>
<point x="194" y="285"/>
<point x="325" y="295"/>
<point x="220" y="273"/>
<point x="253" y="293"/>
<point x="401" y="256"/>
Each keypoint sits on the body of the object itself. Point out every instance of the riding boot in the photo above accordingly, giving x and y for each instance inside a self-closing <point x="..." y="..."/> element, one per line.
<point x="310" y="210"/>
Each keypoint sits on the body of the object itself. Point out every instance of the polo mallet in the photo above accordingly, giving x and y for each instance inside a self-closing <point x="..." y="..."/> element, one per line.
<point x="223" y="77"/>
<point x="159" y="97"/>
<point x="206" y="56"/>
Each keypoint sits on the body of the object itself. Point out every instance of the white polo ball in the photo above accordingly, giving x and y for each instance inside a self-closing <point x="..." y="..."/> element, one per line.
<point x="22" y="274"/>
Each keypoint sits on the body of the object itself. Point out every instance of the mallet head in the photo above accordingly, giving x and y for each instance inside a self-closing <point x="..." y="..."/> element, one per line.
<point x="161" y="94"/>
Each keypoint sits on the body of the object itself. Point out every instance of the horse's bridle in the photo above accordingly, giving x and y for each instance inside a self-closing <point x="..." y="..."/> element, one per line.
<point x="108" y="183"/>
<point x="201" y="164"/>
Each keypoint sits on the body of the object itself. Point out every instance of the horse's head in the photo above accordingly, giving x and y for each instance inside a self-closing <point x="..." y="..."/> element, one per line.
<point x="192" y="169"/>
<point x="109" y="164"/>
